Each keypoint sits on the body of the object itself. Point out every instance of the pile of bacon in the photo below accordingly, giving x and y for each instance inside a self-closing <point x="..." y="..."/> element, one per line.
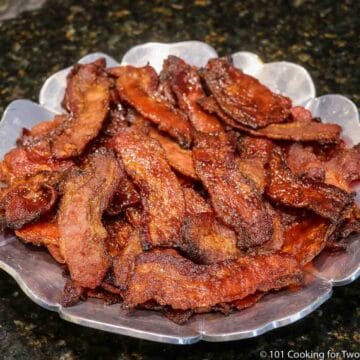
<point x="193" y="191"/>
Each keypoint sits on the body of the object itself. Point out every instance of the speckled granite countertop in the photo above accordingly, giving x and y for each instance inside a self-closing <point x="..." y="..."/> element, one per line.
<point x="321" y="35"/>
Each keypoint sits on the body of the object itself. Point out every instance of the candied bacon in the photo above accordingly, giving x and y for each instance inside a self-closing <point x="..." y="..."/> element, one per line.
<point x="254" y="155"/>
<point x="43" y="232"/>
<point x="243" y="97"/>
<point x="178" y="158"/>
<point x="287" y="189"/>
<point x="124" y="263"/>
<point x="207" y="240"/>
<point x="195" y="203"/>
<point x="294" y="131"/>
<point x="184" y="81"/>
<point x="86" y="195"/>
<point x="123" y="245"/>
<point x="170" y="279"/>
<point x="306" y="239"/>
<point x="137" y="86"/>
<point x="213" y="227"/>
<point x="88" y="100"/>
<point x="71" y="294"/>
<point x="234" y="197"/>
<point x="21" y="162"/>
<point x="341" y="170"/>
<point x="26" y="200"/>
<point x="161" y="195"/>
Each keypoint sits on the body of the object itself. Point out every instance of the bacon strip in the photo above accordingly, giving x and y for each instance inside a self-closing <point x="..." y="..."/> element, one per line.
<point x="43" y="232"/>
<point x="22" y="162"/>
<point x="287" y="189"/>
<point x="235" y="199"/>
<point x="195" y="203"/>
<point x="295" y="131"/>
<point x="185" y="83"/>
<point x="254" y="155"/>
<point x="170" y="279"/>
<point x="86" y="195"/>
<point x="178" y="158"/>
<point x="341" y="170"/>
<point x="161" y="195"/>
<point x="207" y="241"/>
<point x="88" y="98"/>
<point x="28" y="199"/>
<point x="123" y="245"/>
<point x="123" y="265"/>
<point x="243" y="97"/>
<point x="137" y="87"/>
<point x="305" y="240"/>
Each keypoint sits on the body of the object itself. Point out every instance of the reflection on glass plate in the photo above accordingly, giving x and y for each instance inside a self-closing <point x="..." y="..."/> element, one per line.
<point x="41" y="278"/>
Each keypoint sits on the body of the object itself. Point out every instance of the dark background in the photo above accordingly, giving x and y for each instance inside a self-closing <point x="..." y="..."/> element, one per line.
<point x="321" y="35"/>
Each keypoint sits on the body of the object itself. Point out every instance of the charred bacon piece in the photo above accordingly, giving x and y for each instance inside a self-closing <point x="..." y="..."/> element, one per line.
<point x="349" y="225"/>
<point x="71" y="294"/>
<point x="234" y="197"/>
<point x="178" y="158"/>
<point x="170" y="279"/>
<point x="137" y="87"/>
<point x="295" y="131"/>
<point x="287" y="189"/>
<point x="86" y="195"/>
<point x="184" y="81"/>
<point x="243" y="97"/>
<point x="161" y="195"/>
<point x="306" y="239"/>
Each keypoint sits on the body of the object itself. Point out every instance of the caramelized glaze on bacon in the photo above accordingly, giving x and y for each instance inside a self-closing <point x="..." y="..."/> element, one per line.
<point x="43" y="232"/>
<point x="137" y="87"/>
<point x="234" y="197"/>
<point x="86" y="195"/>
<point x="287" y="189"/>
<point x="178" y="158"/>
<point x="307" y="238"/>
<point x="243" y="97"/>
<point x="170" y="279"/>
<point x="161" y="195"/>
<point x="133" y="215"/>
<point x="88" y="98"/>
<point x="295" y="131"/>
<point x="185" y="82"/>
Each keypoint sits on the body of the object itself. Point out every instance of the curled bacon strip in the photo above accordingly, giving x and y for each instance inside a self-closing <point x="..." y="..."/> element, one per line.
<point x="294" y="131"/>
<point x="178" y="158"/>
<point x="137" y="87"/>
<point x="243" y="97"/>
<point x="286" y="189"/>
<point x="170" y="279"/>
<point x="306" y="239"/>
<point x="185" y="82"/>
